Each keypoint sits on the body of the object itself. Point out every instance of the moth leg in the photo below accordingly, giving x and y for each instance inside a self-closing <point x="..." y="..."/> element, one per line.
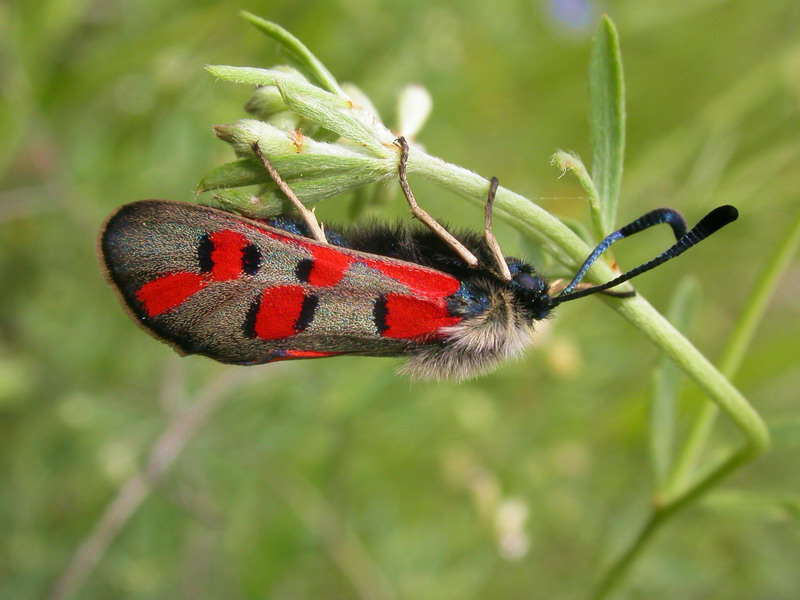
<point x="459" y="248"/>
<point x="308" y="216"/>
<point x="488" y="234"/>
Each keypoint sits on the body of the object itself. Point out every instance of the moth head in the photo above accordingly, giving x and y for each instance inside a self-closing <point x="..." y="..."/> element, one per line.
<point x="531" y="292"/>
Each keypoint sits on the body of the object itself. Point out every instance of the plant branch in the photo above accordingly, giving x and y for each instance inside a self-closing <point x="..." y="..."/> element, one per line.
<point x="743" y="332"/>
<point x="298" y="50"/>
<point x="555" y="237"/>
<point x="339" y="539"/>
<point x="680" y="492"/>
<point x="661" y="514"/>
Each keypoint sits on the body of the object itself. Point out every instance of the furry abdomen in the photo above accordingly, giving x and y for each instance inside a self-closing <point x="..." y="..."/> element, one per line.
<point x="477" y="344"/>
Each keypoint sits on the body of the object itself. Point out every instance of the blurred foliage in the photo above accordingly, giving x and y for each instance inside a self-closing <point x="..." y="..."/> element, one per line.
<point x="336" y="478"/>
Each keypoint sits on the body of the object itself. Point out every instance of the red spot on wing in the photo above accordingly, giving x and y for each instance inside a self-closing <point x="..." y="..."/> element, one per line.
<point x="309" y="354"/>
<point x="278" y="311"/>
<point x="171" y="290"/>
<point x="295" y="354"/>
<point x="226" y="257"/>
<point x="426" y="282"/>
<point x="329" y="266"/>
<point x="168" y="291"/>
<point x="409" y="317"/>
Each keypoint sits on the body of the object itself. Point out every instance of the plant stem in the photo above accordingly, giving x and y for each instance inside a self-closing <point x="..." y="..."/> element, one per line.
<point x="663" y="513"/>
<point x="166" y="450"/>
<point x="650" y="322"/>
<point x="732" y="356"/>
<point x="680" y="493"/>
<point x="527" y="217"/>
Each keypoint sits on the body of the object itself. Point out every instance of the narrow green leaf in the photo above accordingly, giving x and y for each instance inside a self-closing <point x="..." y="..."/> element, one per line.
<point x="328" y="110"/>
<point x="313" y="189"/>
<point x="607" y="120"/>
<point x="232" y="200"/>
<point x="240" y="202"/>
<point x="361" y="99"/>
<point x="772" y="506"/>
<point x="569" y="161"/>
<point x="271" y="202"/>
<point x="293" y="166"/>
<point x="666" y="382"/>
<point x="257" y="76"/>
<point x="239" y="173"/>
<point x="298" y="51"/>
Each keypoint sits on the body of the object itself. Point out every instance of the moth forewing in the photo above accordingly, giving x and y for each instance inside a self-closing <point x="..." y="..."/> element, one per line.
<point x="241" y="291"/>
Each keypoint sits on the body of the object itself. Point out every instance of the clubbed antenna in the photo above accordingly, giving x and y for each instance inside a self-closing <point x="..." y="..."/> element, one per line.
<point x="712" y="222"/>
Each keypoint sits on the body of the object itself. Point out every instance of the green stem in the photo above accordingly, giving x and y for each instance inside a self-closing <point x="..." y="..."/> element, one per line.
<point x="523" y="214"/>
<point x="568" y="161"/>
<point x="680" y="493"/>
<point x="650" y="322"/>
<point x="661" y="514"/>
<point x="754" y="309"/>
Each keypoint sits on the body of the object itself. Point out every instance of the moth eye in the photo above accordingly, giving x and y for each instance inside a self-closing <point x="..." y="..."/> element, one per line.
<point x="529" y="282"/>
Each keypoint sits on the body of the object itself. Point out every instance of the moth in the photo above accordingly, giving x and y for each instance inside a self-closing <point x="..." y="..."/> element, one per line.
<point x="248" y="292"/>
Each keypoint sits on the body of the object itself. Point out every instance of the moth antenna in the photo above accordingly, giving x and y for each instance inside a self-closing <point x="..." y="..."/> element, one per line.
<point x="308" y="215"/>
<point x="712" y="222"/>
<point x="488" y="234"/>
<point x="459" y="248"/>
<point x="654" y="217"/>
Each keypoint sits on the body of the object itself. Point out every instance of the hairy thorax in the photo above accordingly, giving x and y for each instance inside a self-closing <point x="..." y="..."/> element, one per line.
<point x="475" y="345"/>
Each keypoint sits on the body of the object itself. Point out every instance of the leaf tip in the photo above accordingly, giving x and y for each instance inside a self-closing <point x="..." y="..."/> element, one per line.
<point x="608" y="23"/>
<point x="253" y="19"/>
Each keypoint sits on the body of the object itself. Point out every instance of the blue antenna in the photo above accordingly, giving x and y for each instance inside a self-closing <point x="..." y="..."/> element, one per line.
<point x="712" y="222"/>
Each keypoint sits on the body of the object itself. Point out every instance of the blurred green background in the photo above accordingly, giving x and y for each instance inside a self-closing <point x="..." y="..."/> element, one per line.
<point x="337" y="478"/>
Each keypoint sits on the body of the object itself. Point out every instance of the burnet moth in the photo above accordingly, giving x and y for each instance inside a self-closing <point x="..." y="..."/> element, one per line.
<point x="249" y="292"/>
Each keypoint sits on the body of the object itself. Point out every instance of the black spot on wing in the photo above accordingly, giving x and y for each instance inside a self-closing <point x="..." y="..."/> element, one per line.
<point x="379" y="313"/>
<point x="303" y="270"/>
<point x="249" y="325"/>
<point x="204" y="250"/>
<point x="306" y="313"/>
<point x="251" y="259"/>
